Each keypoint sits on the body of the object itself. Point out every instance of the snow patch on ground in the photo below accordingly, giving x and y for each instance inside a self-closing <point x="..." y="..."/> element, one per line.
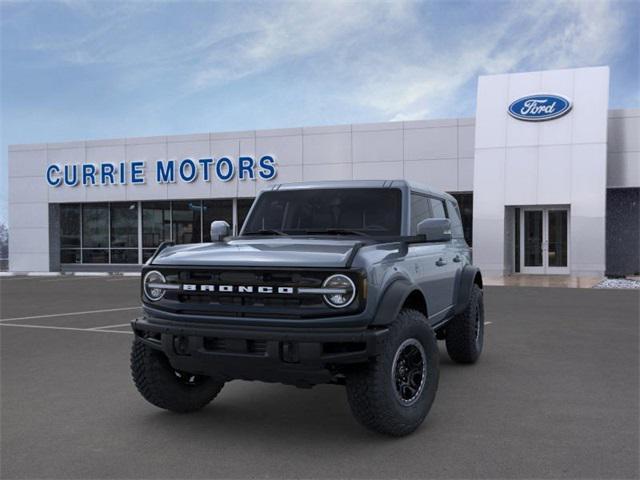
<point x="618" y="283"/>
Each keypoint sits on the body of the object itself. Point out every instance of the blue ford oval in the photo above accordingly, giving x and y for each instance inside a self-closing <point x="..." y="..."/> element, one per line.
<point x="536" y="108"/>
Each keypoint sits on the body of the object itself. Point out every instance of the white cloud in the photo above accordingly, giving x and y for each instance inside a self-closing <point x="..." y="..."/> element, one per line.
<point x="531" y="35"/>
<point x="388" y="57"/>
<point x="294" y="31"/>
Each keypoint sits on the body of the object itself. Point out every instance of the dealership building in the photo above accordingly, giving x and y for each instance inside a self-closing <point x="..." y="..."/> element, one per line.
<point x="546" y="175"/>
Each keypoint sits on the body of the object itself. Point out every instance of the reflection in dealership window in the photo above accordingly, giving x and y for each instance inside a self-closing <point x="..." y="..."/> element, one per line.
<point x="215" y="210"/>
<point x="68" y="255"/>
<point x="186" y="221"/>
<point x="125" y="255"/>
<point x="95" y="233"/>
<point x="70" y="233"/>
<point x="124" y="232"/>
<point x="156" y="226"/>
<point x="70" y="226"/>
<point x="108" y="232"/>
<point x="124" y="225"/>
<point x="95" y="225"/>
<point x="94" y="255"/>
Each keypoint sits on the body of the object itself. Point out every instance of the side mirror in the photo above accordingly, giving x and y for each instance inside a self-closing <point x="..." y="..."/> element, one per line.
<point x="435" y="229"/>
<point x="219" y="230"/>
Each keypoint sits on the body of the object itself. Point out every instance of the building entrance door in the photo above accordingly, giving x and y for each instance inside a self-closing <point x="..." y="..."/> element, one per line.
<point x="544" y="240"/>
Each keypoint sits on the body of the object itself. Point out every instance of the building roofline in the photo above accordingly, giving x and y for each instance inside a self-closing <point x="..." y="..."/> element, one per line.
<point x="311" y="130"/>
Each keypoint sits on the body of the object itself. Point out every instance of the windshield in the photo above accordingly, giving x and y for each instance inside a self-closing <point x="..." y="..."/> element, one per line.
<point x="355" y="211"/>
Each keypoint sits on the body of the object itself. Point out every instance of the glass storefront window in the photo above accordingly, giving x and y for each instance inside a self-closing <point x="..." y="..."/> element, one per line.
<point x="70" y="255"/>
<point x="124" y="225"/>
<point x="186" y="219"/>
<point x="108" y="232"/>
<point x="156" y="223"/>
<point x="215" y="210"/>
<point x="70" y="226"/>
<point x="124" y="255"/>
<point x="95" y="225"/>
<point x="91" y="255"/>
<point x="147" y="253"/>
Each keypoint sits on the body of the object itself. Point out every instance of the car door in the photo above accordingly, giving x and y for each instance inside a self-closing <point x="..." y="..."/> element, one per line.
<point x="448" y="261"/>
<point x="429" y="263"/>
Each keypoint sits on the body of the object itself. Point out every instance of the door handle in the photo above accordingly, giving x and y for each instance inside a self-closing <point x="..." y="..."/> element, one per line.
<point x="441" y="262"/>
<point x="457" y="259"/>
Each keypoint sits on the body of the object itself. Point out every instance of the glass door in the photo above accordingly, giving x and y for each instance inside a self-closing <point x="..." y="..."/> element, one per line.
<point x="544" y="244"/>
<point x="532" y="239"/>
<point x="557" y="246"/>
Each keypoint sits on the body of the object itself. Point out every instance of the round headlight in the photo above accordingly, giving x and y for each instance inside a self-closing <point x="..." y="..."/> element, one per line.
<point x="152" y="285"/>
<point x="342" y="293"/>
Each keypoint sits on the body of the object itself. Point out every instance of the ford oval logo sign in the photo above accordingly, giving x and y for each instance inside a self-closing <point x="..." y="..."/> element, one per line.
<point x="536" y="108"/>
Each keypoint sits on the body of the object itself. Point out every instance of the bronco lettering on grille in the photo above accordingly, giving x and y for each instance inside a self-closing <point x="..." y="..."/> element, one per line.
<point x="191" y="287"/>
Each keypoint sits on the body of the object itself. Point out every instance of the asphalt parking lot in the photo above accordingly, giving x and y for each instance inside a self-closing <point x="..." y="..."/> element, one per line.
<point x="554" y="395"/>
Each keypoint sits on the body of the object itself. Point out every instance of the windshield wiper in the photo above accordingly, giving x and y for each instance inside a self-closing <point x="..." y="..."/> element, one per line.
<point x="266" y="232"/>
<point x="337" y="231"/>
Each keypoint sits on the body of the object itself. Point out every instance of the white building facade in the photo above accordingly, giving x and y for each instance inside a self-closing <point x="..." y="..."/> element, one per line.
<point x="547" y="178"/>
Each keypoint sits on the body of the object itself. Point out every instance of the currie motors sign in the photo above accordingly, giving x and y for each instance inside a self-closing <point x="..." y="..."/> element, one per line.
<point x="187" y="170"/>
<point x="540" y="107"/>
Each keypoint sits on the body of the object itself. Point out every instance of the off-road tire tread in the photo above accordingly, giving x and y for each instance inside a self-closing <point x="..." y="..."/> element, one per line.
<point x="152" y="376"/>
<point x="368" y="386"/>
<point x="460" y="331"/>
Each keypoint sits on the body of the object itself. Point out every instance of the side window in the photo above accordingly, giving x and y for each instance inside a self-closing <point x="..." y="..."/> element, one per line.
<point x="419" y="210"/>
<point x="456" y="221"/>
<point x="437" y="206"/>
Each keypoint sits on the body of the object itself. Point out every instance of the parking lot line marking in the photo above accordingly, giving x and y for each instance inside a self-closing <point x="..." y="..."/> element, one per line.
<point x="111" y="326"/>
<point x="50" y="327"/>
<point x="488" y="323"/>
<point x="88" y="312"/>
<point x="17" y="279"/>
<point x="69" y="278"/>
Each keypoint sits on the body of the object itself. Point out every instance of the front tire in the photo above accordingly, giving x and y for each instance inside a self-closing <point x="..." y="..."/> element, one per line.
<point x="394" y="392"/>
<point x="465" y="332"/>
<point x="163" y="386"/>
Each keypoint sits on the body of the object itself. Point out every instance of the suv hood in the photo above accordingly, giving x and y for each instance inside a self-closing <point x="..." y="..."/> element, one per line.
<point x="261" y="252"/>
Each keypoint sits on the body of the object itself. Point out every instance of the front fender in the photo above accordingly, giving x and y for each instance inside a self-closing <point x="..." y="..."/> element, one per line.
<point x="392" y="300"/>
<point x="467" y="279"/>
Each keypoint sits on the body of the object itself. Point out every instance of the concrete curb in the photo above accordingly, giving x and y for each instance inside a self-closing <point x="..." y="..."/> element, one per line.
<point x="70" y="274"/>
<point x="91" y="274"/>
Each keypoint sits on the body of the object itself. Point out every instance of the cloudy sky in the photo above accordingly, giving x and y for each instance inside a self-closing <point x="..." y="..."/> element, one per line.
<point x="74" y="70"/>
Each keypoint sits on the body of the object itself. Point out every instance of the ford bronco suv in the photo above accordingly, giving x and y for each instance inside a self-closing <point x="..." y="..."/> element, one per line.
<point x="348" y="282"/>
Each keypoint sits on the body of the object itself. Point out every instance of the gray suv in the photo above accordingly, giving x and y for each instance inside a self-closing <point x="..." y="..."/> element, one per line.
<point x="350" y="283"/>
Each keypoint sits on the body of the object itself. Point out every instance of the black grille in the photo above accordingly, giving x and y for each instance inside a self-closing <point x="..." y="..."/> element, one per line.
<point x="252" y="347"/>
<point x="256" y="305"/>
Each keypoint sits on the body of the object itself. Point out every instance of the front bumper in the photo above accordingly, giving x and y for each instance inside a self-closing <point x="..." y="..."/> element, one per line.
<point x="294" y="355"/>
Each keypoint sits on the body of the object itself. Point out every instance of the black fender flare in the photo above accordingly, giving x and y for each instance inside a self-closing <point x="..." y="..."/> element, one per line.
<point x="392" y="300"/>
<point x="465" y="283"/>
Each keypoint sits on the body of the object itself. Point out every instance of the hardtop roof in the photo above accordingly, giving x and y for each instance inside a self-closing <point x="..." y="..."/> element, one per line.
<point x="334" y="184"/>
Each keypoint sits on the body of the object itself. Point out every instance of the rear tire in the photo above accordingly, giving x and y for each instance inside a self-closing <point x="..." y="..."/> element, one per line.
<point x="161" y="385"/>
<point x="394" y="392"/>
<point x="465" y="332"/>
